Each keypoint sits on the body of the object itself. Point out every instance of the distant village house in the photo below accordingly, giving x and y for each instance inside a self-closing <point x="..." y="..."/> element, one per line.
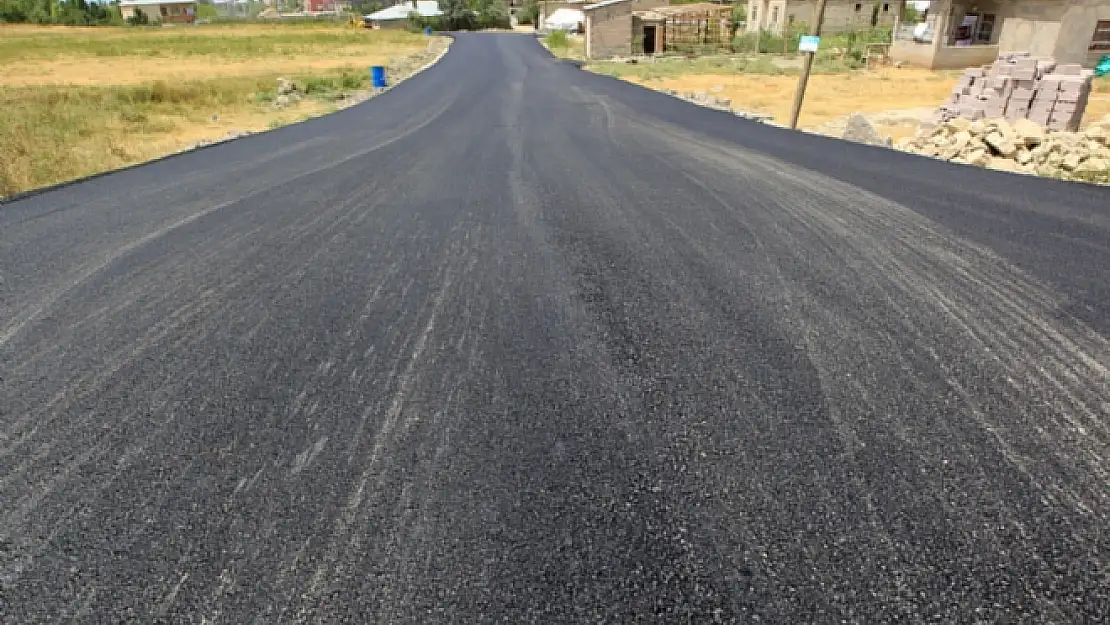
<point x="165" y="11"/>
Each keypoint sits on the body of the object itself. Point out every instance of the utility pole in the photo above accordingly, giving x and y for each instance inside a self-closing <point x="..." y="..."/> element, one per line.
<point x="800" y="93"/>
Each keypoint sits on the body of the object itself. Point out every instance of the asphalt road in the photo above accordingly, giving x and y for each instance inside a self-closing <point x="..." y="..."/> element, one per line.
<point x="518" y="343"/>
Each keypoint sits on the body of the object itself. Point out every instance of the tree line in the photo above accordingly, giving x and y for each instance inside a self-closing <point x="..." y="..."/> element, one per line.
<point x="63" y="12"/>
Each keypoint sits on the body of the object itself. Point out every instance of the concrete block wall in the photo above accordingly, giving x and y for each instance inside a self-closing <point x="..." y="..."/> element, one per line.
<point x="609" y="30"/>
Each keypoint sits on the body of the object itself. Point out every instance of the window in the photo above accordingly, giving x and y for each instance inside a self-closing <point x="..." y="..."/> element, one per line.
<point x="774" y="15"/>
<point x="859" y="7"/>
<point x="1101" y="39"/>
<point x="755" y="14"/>
<point x="164" y="12"/>
<point x="886" y="7"/>
<point x="986" y="29"/>
<point x="790" y="19"/>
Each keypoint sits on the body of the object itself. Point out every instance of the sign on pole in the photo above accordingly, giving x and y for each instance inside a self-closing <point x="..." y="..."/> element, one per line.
<point x="809" y="43"/>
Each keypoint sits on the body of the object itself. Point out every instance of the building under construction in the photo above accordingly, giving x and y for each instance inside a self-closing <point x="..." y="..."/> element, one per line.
<point x="689" y="28"/>
<point x="625" y="27"/>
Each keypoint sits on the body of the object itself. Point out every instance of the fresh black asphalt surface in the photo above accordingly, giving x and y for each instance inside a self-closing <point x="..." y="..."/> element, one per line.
<point x="518" y="343"/>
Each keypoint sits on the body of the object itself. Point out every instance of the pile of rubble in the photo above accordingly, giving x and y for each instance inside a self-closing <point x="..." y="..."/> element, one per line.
<point x="1019" y="86"/>
<point x="1021" y="146"/>
<point x="707" y="100"/>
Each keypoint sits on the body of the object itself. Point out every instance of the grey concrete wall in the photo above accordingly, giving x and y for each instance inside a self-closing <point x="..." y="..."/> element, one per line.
<point x="1031" y="26"/>
<point x="1058" y="28"/>
<point x="910" y="53"/>
<point x="1077" y="27"/>
<point x="840" y="15"/>
<point x="969" y="56"/>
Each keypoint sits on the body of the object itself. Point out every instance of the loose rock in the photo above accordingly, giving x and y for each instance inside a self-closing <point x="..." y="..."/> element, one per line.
<point x="860" y="130"/>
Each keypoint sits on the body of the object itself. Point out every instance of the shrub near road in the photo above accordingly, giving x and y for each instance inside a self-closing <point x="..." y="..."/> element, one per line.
<point x="77" y="101"/>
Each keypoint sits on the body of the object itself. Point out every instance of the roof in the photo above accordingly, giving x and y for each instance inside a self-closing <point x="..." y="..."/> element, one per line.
<point x="603" y="3"/>
<point x="564" y="16"/>
<point x="143" y="3"/>
<point x="426" y="8"/>
<point x="686" y="9"/>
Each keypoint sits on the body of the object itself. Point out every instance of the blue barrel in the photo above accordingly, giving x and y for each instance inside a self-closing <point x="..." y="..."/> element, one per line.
<point x="377" y="76"/>
<point x="428" y="31"/>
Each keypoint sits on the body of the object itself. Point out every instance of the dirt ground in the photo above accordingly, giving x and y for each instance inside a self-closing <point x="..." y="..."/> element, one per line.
<point x="894" y="98"/>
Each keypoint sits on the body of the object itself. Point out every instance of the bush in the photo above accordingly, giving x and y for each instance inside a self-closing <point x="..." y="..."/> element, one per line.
<point x="767" y="42"/>
<point x="558" y="39"/>
<point x="417" y="23"/>
<point x="530" y="14"/>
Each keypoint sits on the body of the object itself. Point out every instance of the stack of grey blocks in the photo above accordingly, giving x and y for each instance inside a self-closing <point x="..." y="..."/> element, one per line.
<point x="1020" y="86"/>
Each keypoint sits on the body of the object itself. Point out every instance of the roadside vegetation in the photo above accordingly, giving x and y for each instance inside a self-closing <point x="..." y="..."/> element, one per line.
<point x="565" y="46"/>
<point x="82" y="100"/>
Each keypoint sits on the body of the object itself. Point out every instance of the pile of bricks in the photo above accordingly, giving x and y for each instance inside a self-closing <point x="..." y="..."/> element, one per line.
<point x="1019" y="86"/>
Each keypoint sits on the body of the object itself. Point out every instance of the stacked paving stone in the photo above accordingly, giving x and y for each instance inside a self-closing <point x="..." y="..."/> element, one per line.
<point x="1019" y="86"/>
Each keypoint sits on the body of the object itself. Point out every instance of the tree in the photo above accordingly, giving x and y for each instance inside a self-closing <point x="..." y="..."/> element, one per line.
<point x="456" y="15"/>
<point x="491" y="13"/>
<point x="366" y="7"/>
<point x="138" y="19"/>
<point x="66" y="12"/>
<point x="530" y="13"/>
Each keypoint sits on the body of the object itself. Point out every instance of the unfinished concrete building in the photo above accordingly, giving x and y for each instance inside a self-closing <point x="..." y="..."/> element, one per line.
<point x="966" y="33"/>
<point x="609" y="26"/>
<point x="777" y="16"/>
<point x="624" y="27"/>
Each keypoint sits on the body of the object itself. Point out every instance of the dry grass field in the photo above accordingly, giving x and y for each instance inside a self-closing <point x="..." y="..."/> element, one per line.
<point x="77" y="101"/>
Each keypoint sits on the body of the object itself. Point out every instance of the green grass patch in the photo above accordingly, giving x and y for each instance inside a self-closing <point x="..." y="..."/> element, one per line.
<point x="565" y="46"/>
<point x="557" y="40"/>
<point x="54" y="133"/>
<point x="672" y="67"/>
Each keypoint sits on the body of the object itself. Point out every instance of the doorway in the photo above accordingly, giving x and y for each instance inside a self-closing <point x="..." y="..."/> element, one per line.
<point x="649" y="40"/>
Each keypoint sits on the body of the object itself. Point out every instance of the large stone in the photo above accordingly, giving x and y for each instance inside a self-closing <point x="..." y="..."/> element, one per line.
<point x="1030" y="133"/>
<point x="1023" y="156"/>
<point x="1002" y="164"/>
<point x="1047" y="170"/>
<point x="1098" y="134"/>
<point x="977" y="127"/>
<point x="860" y="130"/>
<point x="1071" y="161"/>
<point x="1004" y="127"/>
<point x="961" y="140"/>
<point x="957" y="124"/>
<point x="1093" y="166"/>
<point x="979" y="157"/>
<point x="1000" y="144"/>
